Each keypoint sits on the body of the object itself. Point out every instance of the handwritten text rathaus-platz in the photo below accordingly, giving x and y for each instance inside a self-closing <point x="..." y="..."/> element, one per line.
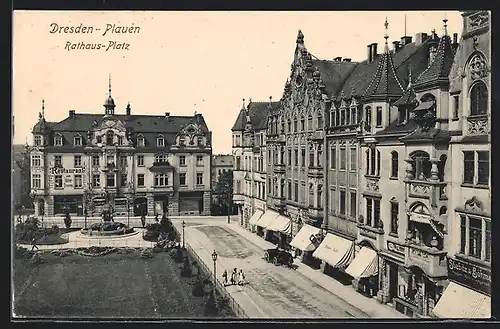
<point x="108" y="30"/>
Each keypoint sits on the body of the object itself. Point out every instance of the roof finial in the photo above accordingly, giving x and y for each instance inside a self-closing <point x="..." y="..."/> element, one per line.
<point x="243" y="105"/>
<point x="445" y="20"/>
<point x="43" y="108"/>
<point x="270" y="99"/>
<point x="409" y="76"/>
<point x="386" y="36"/>
<point x="109" y="85"/>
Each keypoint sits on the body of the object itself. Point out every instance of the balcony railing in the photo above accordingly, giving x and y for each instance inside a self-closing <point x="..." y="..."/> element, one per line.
<point x="432" y="190"/>
<point x="431" y="260"/>
<point x="477" y="125"/>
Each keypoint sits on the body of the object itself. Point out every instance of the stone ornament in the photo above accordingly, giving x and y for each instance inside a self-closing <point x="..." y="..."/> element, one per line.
<point x="478" y="68"/>
<point x="478" y="20"/>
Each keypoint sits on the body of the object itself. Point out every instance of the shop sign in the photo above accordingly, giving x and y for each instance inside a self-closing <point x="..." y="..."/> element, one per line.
<point x="396" y="248"/>
<point x="470" y="275"/>
<point x="68" y="180"/>
<point x="62" y="171"/>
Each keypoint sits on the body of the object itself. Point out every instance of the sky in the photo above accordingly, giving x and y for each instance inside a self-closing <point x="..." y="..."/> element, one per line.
<point x="182" y="62"/>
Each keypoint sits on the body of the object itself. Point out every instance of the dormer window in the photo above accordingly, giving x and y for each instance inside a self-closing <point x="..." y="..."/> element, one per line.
<point x="99" y="139"/>
<point x="353" y="116"/>
<point x="109" y="138"/>
<point x="58" y="140"/>
<point x="120" y="140"/>
<point x="160" y="141"/>
<point x="77" y="141"/>
<point x="37" y="140"/>
<point x="182" y="141"/>
<point x="140" y="141"/>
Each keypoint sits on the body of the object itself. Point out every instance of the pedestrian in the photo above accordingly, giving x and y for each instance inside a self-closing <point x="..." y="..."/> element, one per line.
<point x="156" y="218"/>
<point x="224" y="276"/>
<point x="234" y="276"/>
<point x="33" y="244"/>
<point x="241" y="278"/>
<point x="143" y="220"/>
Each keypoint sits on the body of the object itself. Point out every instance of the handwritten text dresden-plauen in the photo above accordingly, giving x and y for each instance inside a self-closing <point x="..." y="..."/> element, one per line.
<point x="108" y="29"/>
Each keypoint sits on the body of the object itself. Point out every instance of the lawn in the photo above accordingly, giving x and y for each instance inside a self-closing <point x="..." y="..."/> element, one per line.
<point x="115" y="285"/>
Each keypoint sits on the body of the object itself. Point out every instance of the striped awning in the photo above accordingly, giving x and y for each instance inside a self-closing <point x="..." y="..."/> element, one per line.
<point x="267" y="218"/>
<point x="255" y="217"/>
<point x="459" y="302"/>
<point x="302" y="240"/>
<point x="335" y="250"/>
<point x="364" y="265"/>
<point x="280" y="224"/>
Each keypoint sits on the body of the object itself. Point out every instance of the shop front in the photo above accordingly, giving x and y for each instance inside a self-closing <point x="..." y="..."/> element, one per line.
<point x="468" y="293"/>
<point x="254" y="219"/>
<point x="72" y="204"/>
<point x="280" y="228"/>
<point x="263" y="222"/>
<point x="364" y="270"/>
<point x="307" y="241"/>
<point x="336" y="253"/>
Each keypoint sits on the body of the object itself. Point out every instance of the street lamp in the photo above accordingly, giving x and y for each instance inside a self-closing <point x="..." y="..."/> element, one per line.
<point x="214" y="258"/>
<point x="128" y="213"/>
<point x="183" y="226"/>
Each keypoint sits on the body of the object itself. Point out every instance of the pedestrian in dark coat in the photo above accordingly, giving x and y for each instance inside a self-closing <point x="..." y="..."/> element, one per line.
<point x="33" y="244"/>
<point x="143" y="220"/>
<point x="234" y="276"/>
<point x="224" y="276"/>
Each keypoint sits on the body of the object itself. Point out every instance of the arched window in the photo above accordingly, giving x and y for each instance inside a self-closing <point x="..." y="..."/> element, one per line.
<point x="302" y="124"/>
<point x="140" y="140"/>
<point x="478" y="99"/>
<point x="160" y="141"/>
<point x="58" y="140"/>
<point x="320" y="121"/>
<point x="77" y="140"/>
<point x="422" y="165"/>
<point x="310" y="122"/>
<point x="109" y="137"/>
<point x="295" y="124"/>
<point x="289" y="125"/>
<point x="367" y="162"/>
<point x="394" y="164"/>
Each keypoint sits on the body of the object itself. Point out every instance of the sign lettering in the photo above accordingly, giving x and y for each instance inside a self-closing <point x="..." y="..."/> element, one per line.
<point x="395" y="248"/>
<point x="470" y="275"/>
<point x="62" y="171"/>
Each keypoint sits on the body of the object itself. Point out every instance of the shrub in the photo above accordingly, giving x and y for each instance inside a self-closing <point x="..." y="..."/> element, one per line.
<point x="153" y="227"/>
<point x="187" y="270"/>
<point x="211" y="306"/>
<point x="55" y="229"/>
<point x="198" y="288"/>
<point x="179" y="255"/>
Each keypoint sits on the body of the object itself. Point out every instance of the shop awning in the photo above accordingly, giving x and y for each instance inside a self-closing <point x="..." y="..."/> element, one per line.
<point x="255" y="217"/>
<point x="280" y="224"/>
<point x="335" y="250"/>
<point x="463" y="303"/>
<point x="364" y="265"/>
<point x="267" y="218"/>
<point x="302" y="240"/>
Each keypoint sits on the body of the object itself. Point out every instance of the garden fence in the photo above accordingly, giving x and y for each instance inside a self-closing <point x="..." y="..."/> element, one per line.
<point x="237" y="309"/>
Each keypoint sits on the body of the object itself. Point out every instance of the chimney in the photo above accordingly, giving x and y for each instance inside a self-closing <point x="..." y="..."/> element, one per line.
<point x="455" y="38"/>
<point x="167" y="115"/>
<point x="71" y="113"/>
<point x="337" y="59"/>
<point x="405" y="40"/>
<point x="127" y="109"/>
<point x="374" y="51"/>
<point x="396" y="45"/>
<point x="420" y="38"/>
<point x="369" y="53"/>
<point x="347" y="59"/>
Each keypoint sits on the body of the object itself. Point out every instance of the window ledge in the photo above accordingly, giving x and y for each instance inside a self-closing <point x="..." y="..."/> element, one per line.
<point x="394" y="178"/>
<point x="479" y="186"/>
<point x="394" y="235"/>
<point x="372" y="176"/>
<point x="454" y="119"/>
<point x="78" y="187"/>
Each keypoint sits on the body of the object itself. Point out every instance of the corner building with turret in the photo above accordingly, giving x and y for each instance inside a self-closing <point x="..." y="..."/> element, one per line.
<point x="142" y="164"/>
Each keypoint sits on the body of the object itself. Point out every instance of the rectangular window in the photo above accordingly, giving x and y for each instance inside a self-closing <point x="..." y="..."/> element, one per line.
<point x="160" y="142"/>
<point x="140" y="160"/>
<point x="96" y="180"/>
<point x="123" y="161"/>
<point x="394" y="217"/>
<point x="110" y="180"/>
<point x="78" y="181"/>
<point x="160" y="158"/>
<point x="95" y="160"/>
<point x="488" y="241"/>
<point x="199" y="178"/>
<point x="372" y="162"/>
<point x="469" y="167"/>
<point x="199" y="160"/>
<point x="376" y="212"/>
<point x="483" y="168"/>
<point x="38" y="140"/>
<point x="289" y="195"/>
<point x="77" y="161"/>
<point x="182" y="179"/>
<point x="140" y="180"/>
<point x="311" y="158"/>
<point x="342" y="158"/>
<point x="99" y="139"/>
<point x="463" y="233"/>
<point x="296" y="157"/>
<point x="369" y="212"/>
<point x="475" y="237"/>
<point x="161" y="180"/>
<point x="296" y="192"/>
<point x="36" y="160"/>
<point x="353" y="204"/>
<point x="182" y="160"/>
<point x="110" y="159"/>
<point x="58" y="181"/>
<point x="333" y="158"/>
<point x="58" y="141"/>
<point x="342" y="202"/>
<point x="354" y="159"/>
<point x="57" y="161"/>
<point x="456" y="106"/>
<point x="379" y="116"/>
<point x="120" y="140"/>
<point x="123" y="180"/>
<point x="289" y="157"/>
<point x="77" y="141"/>
<point x="36" y="181"/>
<point x="303" y="157"/>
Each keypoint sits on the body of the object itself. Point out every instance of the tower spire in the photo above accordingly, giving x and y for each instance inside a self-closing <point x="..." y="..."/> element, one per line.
<point x="386" y="36"/>
<point x="243" y="104"/>
<point x="445" y="21"/>
<point x="109" y="89"/>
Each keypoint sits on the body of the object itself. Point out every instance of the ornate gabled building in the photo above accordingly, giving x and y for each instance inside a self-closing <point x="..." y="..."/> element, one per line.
<point x="249" y="151"/>
<point x="145" y="164"/>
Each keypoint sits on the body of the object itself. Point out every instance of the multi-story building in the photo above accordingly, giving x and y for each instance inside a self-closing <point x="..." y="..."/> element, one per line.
<point x="221" y="164"/>
<point x="146" y="164"/>
<point x="250" y="128"/>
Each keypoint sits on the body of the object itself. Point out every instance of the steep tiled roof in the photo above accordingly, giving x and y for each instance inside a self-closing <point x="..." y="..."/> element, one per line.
<point x="384" y="83"/>
<point x="333" y="73"/>
<point x="440" y="67"/>
<point x="241" y="120"/>
<point x="408" y="96"/>
<point x="395" y="128"/>
<point x="42" y="126"/>
<point x="259" y="111"/>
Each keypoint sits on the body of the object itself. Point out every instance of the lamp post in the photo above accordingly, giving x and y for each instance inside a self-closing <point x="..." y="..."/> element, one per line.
<point x="214" y="258"/>
<point x="128" y="212"/>
<point x="183" y="226"/>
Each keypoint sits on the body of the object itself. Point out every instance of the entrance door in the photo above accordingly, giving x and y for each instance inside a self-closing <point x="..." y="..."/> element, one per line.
<point x="140" y="206"/>
<point x="393" y="281"/>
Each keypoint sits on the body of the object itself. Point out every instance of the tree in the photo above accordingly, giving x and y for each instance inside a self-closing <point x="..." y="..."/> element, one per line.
<point x="24" y="165"/>
<point x="224" y="189"/>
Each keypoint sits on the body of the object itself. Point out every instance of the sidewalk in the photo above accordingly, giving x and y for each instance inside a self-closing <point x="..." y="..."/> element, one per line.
<point x="368" y="305"/>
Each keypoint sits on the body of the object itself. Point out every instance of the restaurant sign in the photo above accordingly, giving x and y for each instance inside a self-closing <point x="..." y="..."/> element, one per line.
<point x="62" y="171"/>
<point x="469" y="275"/>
